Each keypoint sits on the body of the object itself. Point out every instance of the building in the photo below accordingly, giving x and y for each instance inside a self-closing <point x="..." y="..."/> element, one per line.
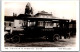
<point x="48" y="24"/>
<point x="8" y="22"/>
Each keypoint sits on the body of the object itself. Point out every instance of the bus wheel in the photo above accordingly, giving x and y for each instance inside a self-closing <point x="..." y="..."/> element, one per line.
<point x="56" y="37"/>
<point x="7" y="38"/>
<point x="15" y="39"/>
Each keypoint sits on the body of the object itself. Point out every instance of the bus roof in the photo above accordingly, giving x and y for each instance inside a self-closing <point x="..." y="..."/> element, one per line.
<point x="7" y="18"/>
<point x="36" y="18"/>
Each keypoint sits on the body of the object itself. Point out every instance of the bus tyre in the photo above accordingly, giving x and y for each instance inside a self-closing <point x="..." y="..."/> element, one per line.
<point x="7" y="38"/>
<point x="56" y="37"/>
<point x="15" y="39"/>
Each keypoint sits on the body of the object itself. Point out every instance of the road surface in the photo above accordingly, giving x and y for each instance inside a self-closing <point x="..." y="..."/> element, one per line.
<point x="43" y="43"/>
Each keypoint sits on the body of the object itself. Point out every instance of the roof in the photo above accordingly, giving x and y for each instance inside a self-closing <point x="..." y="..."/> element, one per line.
<point x="45" y="14"/>
<point x="29" y="17"/>
<point x="37" y="19"/>
<point x="42" y="13"/>
<point x="73" y="22"/>
<point x="9" y="18"/>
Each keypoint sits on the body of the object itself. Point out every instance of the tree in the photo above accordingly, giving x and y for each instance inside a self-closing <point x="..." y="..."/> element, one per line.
<point x="28" y="9"/>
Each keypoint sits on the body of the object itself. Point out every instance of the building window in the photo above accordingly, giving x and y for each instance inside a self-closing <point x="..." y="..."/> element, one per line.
<point x="4" y="23"/>
<point x="20" y="21"/>
<point x="9" y="24"/>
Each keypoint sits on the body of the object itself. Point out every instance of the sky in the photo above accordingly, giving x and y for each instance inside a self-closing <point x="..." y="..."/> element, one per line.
<point x="60" y="9"/>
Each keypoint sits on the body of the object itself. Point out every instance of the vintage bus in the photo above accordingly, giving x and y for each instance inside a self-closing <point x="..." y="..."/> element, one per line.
<point x="31" y="27"/>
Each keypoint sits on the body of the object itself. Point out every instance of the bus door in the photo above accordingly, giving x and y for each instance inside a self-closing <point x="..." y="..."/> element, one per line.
<point x="64" y="27"/>
<point x="61" y="28"/>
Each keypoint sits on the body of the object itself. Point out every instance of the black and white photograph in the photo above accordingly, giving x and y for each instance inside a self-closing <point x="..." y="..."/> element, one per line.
<point x="40" y="24"/>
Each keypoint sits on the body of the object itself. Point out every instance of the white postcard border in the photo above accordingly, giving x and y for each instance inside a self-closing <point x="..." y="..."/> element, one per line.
<point x="38" y="48"/>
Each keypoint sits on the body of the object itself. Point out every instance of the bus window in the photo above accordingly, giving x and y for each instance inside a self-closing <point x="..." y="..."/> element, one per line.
<point x="48" y="24"/>
<point x="31" y="24"/>
<point x="40" y="23"/>
<point x="24" y="23"/>
<point x="56" y="25"/>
